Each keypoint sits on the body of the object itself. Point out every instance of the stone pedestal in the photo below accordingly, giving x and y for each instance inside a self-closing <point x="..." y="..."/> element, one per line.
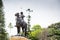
<point x="18" y="38"/>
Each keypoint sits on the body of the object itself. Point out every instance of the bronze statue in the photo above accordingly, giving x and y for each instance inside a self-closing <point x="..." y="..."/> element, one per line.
<point x="22" y="16"/>
<point x="20" y="23"/>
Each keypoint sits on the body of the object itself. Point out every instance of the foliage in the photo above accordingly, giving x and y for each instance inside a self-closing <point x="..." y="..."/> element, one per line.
<point x="55" y="25"/>
<point x="43" y="34"/>
<point x="54" y="31"/>
<point x="36" y="29"/>
<point x="1" y="4"/>
<point x="3" y="34"/>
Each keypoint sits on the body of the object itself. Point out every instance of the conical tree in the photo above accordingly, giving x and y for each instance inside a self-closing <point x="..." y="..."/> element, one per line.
<point x="3" y="34"/>
<point x="29" y="18"/>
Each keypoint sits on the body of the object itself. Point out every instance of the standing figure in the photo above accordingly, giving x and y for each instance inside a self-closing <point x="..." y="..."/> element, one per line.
<point x="22" y="16"/>
<point x="24" y="27"/>
<point x="18" y="22"/>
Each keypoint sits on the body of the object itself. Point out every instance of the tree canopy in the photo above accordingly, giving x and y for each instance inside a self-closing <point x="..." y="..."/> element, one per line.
<point x="36" y="30"/>
<point x="54" y="31"/>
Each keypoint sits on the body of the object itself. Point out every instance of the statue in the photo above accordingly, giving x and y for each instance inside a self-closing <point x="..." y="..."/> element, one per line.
<point x="20" y="23"/>
<point x="22" y="16"/>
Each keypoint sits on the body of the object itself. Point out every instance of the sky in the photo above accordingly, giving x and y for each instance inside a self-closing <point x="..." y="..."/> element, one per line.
<point x="45" y="12"/>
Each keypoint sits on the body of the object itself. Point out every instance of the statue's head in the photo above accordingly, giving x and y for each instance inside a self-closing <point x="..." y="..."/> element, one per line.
<point x="21" y="12"/>
<point x="17" y="14"/>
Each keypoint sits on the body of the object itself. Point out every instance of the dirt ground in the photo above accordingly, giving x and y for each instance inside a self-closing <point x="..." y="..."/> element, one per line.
<point x="18" y="38"/>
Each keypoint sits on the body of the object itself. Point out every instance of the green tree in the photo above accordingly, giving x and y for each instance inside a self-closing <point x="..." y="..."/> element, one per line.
<point x="55" y="25"/>
<point x="36" y="30"/>
<point x="36" y="27"/>
<point x="3" y="33"/>
<point x="54" y="31"/>
<point x="29" y="19"/>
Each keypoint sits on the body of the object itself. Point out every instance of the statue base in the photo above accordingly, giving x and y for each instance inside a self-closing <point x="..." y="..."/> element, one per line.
<point x="18" y="38"/>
